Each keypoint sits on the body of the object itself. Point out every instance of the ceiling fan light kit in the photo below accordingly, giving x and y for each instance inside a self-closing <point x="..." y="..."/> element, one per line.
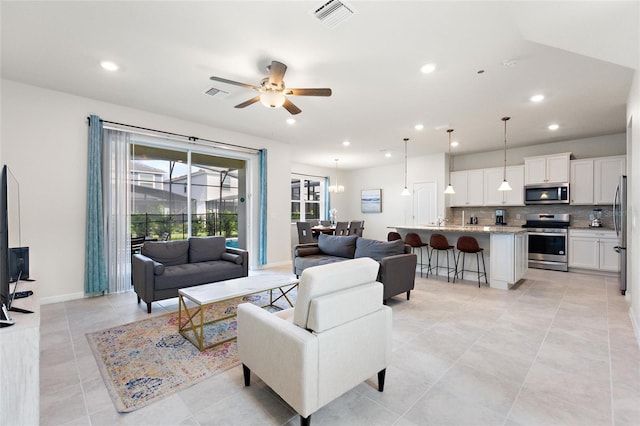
<point x="272" y="90"/>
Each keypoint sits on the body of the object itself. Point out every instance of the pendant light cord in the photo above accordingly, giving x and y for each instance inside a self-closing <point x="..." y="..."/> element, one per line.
<point x="405" y="161"/>
<point x="504" y="172"/>
<point x="449" y="131"/>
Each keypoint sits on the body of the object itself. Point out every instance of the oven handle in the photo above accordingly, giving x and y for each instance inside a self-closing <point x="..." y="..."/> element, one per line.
<point x="548" y="234"/>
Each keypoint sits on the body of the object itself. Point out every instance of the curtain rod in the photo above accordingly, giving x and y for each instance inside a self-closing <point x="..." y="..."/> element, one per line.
<point x="190" y="138"/>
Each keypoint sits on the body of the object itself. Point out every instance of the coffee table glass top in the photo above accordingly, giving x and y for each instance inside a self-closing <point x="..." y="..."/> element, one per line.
<point x="224" y="290"/>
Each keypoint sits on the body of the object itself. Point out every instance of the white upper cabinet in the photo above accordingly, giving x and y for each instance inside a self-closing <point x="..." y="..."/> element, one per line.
<point x="594" y="180"/>
<point x="606" y="174"/>
<point x="468" y="185"/>
<point x="547" y="169"/>
<point x="492" y="180"/>
<point x="581" y="184"/>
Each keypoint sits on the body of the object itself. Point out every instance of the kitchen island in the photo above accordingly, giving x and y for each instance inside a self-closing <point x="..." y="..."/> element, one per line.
<point x="505" y="249"/>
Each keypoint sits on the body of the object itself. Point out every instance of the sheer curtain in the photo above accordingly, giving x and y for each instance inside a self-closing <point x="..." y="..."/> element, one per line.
<point x="116" y="209"/>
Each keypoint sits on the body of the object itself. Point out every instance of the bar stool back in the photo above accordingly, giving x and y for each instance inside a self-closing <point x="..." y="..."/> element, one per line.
<point x="393" y="236"/>
<point x="467" y="244"/>
<point x="412" y="239"/>
<point x="439" y="242"/>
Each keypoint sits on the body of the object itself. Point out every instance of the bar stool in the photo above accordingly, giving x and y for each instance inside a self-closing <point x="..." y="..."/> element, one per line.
<point x="412" y="239"/>
<point x="466" y="245"/>
<point x="393" y="236"/>
<point x="440" y="243"/>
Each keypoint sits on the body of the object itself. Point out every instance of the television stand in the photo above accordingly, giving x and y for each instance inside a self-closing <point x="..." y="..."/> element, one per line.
<point x="22" y="311"/>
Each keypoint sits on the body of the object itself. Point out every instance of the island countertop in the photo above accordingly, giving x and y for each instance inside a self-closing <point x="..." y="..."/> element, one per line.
<point x="497" y="229"/>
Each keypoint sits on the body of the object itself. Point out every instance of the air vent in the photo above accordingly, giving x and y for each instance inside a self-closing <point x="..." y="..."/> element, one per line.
<point x="333" y="13"/>
<point x="217" y="93"/>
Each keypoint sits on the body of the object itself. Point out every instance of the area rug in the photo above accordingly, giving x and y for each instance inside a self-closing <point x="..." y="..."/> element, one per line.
<point x="146" y="360"/>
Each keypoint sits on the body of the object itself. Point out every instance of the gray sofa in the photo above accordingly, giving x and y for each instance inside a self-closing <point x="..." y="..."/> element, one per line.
<point x="397" y="264"/>
<point x="164" y="267"/>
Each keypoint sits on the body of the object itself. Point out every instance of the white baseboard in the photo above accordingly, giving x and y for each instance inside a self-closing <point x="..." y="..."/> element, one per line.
<point x="61" y="298"/>
<point x="275" y="264"/>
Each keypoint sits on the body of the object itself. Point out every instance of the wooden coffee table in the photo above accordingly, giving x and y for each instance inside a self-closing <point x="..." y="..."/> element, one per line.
<point x="194" y="300"/>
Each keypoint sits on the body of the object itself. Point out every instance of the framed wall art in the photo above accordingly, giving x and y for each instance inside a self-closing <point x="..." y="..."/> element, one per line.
<point x="371" y="201"/>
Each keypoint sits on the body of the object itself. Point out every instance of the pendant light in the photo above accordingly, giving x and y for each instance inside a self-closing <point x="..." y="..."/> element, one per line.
<point x="405" y="191"/>
<point x="449" y="189"/>
<point x="336" y="187"/>
<point x="505" y="185"/>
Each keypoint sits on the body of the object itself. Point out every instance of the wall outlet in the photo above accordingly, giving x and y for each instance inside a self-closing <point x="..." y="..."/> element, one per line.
<point x="518" y="216"/>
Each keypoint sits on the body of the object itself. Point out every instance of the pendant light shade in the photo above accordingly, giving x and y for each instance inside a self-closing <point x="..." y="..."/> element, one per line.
<point x="504" y="186"/>
<point x="449" y="189"/>
<point x="336" y="187"/>
<point x="405" y="191"/>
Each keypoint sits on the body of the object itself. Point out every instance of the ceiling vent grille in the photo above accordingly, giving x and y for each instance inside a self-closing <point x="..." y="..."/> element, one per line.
<point x="217" y="93"/>
<point x="333" y="13"/>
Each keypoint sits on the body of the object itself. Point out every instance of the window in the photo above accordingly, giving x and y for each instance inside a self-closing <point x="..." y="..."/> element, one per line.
<point x="307" y="198"/>
<point x="170" y="194"/>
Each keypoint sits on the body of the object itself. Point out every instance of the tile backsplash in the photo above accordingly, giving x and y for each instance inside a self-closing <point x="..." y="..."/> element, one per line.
<point x="516" y="216"/>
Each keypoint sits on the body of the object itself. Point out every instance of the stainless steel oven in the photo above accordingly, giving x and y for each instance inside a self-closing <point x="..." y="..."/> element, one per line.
<point x="548" y="241"/>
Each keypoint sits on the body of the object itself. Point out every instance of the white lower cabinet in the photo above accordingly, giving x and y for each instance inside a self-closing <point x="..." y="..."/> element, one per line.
<point x="594" y="250"/>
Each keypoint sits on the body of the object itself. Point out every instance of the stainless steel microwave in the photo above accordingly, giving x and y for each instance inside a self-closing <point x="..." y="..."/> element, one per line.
<point x="547" y="193"/>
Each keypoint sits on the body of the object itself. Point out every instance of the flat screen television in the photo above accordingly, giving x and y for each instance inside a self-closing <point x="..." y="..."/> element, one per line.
<point x="14" y="259"/>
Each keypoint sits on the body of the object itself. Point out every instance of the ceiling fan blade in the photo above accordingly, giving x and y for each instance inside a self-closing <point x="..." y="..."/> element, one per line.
<point x="235" y="83"/>
<point x="308" y="92"/>
<point x="276" y="73"/>
<point x="249" y="102"/>
<point x="289" y="106"/>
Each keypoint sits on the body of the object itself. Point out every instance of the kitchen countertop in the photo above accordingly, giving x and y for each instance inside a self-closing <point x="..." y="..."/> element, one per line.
<point x="592" y="228"/>
<point x="493" y="229"/>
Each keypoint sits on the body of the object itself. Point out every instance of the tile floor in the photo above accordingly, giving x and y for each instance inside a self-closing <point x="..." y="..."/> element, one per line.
<point x="557" y="350"/>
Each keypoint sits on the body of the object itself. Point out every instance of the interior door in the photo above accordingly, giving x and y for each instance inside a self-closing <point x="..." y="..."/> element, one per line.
<point x="424" y="203"/>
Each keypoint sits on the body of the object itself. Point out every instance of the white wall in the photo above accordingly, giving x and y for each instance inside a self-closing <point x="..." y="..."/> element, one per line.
<point x="396" y="209"/>
<point x="44" y="141"/>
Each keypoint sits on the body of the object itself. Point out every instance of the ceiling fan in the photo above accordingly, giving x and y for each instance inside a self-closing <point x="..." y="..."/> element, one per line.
<point x="273" y="93"/>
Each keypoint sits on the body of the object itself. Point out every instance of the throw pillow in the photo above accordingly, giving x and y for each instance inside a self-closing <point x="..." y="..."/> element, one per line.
<point x="334" y="245"/>
<point x="204" y="249"/>
<point x="378" y="249"/>
<point x="230" y="257"/>
<point x="168" y="253"/>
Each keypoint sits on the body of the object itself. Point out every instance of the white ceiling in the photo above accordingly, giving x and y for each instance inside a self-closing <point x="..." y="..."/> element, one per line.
<point x="580" y="55"/>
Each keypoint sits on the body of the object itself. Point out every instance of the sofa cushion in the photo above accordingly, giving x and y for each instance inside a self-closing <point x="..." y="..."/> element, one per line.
<point x="304" y="262"/>
<point x="167" y="252"/>
<point x="190" y="274"/>
<point x="378" y="249"/>
<point x="341" y="246"/>
<point x="204" y="249"/>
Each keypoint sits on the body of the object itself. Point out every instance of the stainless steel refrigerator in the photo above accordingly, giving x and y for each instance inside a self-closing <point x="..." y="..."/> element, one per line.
<point x="620" y="225"/>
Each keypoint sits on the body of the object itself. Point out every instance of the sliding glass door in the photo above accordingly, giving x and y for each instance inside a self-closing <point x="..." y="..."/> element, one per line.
<point x="180" y="193"/>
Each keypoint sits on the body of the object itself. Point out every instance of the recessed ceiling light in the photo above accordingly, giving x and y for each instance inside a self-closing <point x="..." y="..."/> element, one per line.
<point x="346" y="143"/>
<point x="109" y="66"/>
<point x="428" y="68"/>
<point x="553" y="126"/>
<point x="537" y="98"/>
<point x="387" y="154"/>
<point x="291" y="121"/>
<point x="454" y="143"/>
<point x="419" y="126"/>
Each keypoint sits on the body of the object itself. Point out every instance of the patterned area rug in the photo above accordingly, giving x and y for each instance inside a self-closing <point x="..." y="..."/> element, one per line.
<point x="146" y="360"/>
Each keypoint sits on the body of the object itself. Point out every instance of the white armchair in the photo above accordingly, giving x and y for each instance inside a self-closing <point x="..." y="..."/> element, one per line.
<point x="337" y="336"/>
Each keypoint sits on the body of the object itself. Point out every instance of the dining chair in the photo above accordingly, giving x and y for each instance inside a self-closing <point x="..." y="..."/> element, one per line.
<point x="355" y="228"/>
<point x="342" y="228"/>
<point x="325" y="222"/>
<point x="305" y="235"/>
